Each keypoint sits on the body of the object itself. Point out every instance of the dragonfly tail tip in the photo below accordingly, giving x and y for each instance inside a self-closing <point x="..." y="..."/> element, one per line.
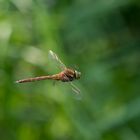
<point x="16" y="82"/>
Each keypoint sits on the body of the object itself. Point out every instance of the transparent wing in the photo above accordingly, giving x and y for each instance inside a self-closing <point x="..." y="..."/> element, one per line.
<point x="75" y="88"/>
<point x="56" y="58"/>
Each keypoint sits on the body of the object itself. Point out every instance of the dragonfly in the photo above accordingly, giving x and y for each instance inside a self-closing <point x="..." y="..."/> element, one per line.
<point x="66" y="74"/>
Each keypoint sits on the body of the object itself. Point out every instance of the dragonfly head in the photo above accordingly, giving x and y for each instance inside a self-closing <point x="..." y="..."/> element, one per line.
<point x="77" y="74"/>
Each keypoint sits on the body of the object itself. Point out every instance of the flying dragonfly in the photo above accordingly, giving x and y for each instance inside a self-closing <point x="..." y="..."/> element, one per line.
<point x="66" y="74"/>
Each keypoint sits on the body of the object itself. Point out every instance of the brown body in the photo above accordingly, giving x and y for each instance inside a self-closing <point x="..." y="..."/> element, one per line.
<point x="65" y="76"/>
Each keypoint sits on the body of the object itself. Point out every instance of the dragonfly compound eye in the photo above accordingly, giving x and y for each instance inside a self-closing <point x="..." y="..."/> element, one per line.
<point x="78" y="74"/>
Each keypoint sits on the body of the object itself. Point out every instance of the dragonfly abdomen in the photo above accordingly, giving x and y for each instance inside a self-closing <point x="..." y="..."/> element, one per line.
<point x="34" y="79"/>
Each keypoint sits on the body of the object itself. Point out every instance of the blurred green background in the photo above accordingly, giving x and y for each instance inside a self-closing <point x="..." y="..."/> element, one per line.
<point x="97" y="37"/>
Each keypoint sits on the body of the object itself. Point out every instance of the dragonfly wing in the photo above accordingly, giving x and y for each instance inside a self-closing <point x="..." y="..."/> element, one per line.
<point x="56" y="58"/>
<point x="75" y="88"/>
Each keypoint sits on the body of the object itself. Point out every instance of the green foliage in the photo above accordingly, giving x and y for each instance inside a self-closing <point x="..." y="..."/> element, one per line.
<point x="100" y="39"/>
